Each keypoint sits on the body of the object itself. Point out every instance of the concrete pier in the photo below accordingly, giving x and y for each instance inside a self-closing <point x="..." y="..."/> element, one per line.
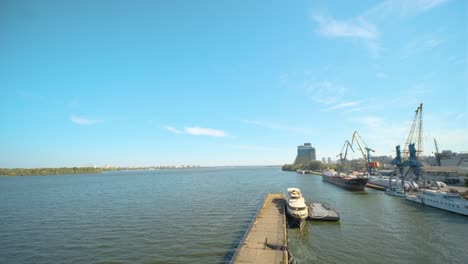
<point x="265" y="240"/>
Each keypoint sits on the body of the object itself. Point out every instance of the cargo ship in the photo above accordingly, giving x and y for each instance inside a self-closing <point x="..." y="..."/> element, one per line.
<point x="350" y="182"/>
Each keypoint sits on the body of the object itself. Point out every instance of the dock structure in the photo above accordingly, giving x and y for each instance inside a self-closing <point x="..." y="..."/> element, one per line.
<point x="375" y="186"/>
<point x="265" y="240"/>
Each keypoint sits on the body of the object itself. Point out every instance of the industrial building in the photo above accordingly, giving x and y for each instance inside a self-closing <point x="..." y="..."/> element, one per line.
<point x="305" y="154"/>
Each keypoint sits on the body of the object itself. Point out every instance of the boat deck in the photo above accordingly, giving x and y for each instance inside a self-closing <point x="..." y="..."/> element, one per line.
<point x="319" y="211"/>
<point x="265" y="240"/>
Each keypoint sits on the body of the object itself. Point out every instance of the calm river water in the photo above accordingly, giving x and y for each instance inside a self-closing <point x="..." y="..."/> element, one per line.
<point x="200" y="215"/>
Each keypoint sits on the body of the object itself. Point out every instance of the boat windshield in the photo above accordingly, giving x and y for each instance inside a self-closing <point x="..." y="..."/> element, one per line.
<point x="298" y="208"/>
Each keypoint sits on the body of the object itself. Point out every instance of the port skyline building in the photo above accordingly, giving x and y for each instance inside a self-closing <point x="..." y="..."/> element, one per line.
<point x="305" y="154"/>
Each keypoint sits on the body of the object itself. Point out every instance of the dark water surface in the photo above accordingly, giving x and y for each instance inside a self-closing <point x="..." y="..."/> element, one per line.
<point x="200" y="215"/>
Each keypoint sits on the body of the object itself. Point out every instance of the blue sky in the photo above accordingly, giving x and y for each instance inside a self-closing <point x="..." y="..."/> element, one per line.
<point x="136" y="83"/>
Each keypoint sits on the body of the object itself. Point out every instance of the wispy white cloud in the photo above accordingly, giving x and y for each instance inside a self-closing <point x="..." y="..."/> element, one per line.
<point x="332" y="96"/>
<point x="173" y="129"/>
<point x="257" y="123"/>
<point x="456" y="60"/>
<point x="355" y="109"/>
<point x="357" y="28"/>
<point x="197" y="131"/>
<point x="408" y="98"/>
<point x="380" y="134"/>
<point x="277" y="126"/>
<point x="420" y="45"/>
<point x="200" y="131"/>
<point x="400" y="8"/>
<point x="325" y="92"/>
<point x="254" y="148"/>
<point x="432" y="43"/>
<point x="328" y="26"/>
<point x="365" y="26"/>
<point x="369" y="121"/>
<point x="79" y="120"/>
<point x="344" y="105"/>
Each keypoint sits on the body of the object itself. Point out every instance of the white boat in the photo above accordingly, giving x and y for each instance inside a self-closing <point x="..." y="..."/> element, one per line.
<point x="395" y="191"/>
<point x="383" y="181"/>
<point x="296" y="208"/>
<point x="452" y="202"/>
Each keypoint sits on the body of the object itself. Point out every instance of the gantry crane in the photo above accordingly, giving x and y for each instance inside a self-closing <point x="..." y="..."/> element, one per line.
<point x="371" y="166"/>
<point x="412" y="151"/>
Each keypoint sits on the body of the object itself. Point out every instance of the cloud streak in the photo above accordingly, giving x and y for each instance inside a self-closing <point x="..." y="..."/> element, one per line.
<point x="357" y="28"/>
<point x="364" y="26"/>
<point x="419" y="46"/>
<point x="197" y="131"/>
<point x="200" y="131"/>
<point x="173" y="129"/>
<point x="332" y="96"/>
<point x="342" y="105"/>
<point x="328" y="26"/>
<point x="369" y="121"/>
<point x="400" y="8"/>
<point x="254" y="148"/>
<point x="79" y="120"/>
<point x="276" y="126"/>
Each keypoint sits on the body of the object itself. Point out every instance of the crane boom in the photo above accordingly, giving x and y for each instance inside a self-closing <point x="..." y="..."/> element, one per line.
<point x="367" y="157"/>
<point x="345" y="145"/>
<point x="437" y="154"/>
<point x="417" y="124"/>
<point x="420" y="129"/>
<point x="355" y="138"/>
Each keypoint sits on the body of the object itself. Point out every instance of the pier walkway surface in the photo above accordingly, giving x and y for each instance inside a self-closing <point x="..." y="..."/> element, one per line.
<point x="265" y="241"/>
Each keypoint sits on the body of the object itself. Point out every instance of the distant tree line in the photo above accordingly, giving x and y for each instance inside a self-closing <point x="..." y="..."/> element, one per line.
<point x="314" y="165"/>
<point x="49" y="171"/>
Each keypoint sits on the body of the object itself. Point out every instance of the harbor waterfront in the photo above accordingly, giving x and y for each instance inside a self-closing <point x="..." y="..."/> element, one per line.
<point x="200" y="216"/>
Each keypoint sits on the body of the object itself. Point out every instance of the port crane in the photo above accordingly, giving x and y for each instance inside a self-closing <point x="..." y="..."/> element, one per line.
<point x="370" y="165"/>
<point x="415" y="138"/>
<point x="345" y="145"/>
<point x="437" y="153"/>
<point x="412" y="151"/>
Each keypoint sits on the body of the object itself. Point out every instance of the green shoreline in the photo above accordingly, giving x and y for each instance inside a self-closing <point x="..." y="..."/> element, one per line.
<point x="49" y="171"/>
<point x="75" y="170"/>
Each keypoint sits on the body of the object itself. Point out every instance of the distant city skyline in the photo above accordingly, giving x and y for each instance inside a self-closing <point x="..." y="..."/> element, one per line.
<point x="213" y="83"/>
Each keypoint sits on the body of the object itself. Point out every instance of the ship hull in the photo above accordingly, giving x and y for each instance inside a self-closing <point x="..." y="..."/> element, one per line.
<point x="295" y="221"/>
<point x="354" y="184"/>
<point x="395" y="191"/>
<point x="440" y="201"/>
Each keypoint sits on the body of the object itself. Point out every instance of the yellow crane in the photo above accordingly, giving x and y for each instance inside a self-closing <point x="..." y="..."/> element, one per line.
<point x="365" y="151"/>
<point x="415" y="137"/>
